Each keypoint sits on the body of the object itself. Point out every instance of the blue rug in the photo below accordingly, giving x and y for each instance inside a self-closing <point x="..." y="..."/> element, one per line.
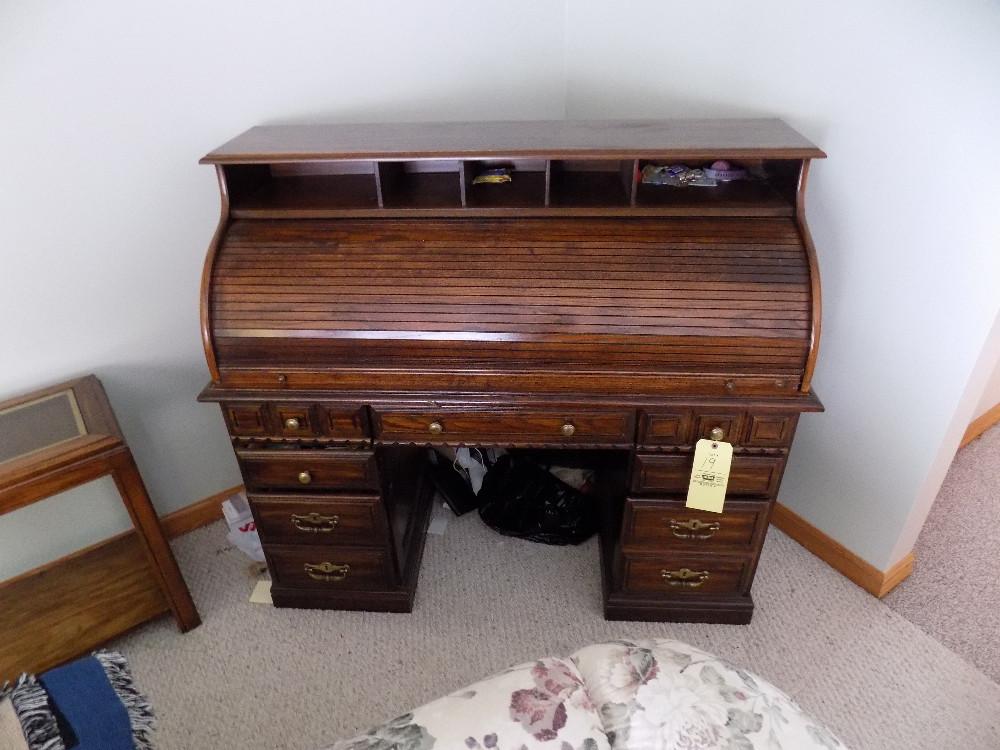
<point x="89" y="704"/>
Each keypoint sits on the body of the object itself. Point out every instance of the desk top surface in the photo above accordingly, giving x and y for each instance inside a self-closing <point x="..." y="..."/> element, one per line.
<point x="717" y="138"/>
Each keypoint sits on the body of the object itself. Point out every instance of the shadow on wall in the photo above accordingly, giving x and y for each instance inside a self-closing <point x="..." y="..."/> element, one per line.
<point x="181" y="446"/>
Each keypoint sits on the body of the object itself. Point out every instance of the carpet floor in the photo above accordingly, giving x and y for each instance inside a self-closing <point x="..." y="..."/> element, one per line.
<point x="256" y="677"/>
<point x="954" y="592"/>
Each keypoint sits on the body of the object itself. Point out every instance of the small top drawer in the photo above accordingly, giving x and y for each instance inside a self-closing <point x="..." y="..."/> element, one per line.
<point x="309" y="470"/>
<point x="511" y="427"/>
<point x="682" y="426"/>
<point x="296" y="419"/>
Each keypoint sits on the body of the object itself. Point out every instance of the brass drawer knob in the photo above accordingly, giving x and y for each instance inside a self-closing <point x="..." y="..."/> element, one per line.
<point x="327" y="571"/>
<point x="435" y="428"/>
<point x="305" y="477"/>
<point x="717" y="434"/>
<point x="568" y="429"/>
<point x="315" y="523"/>
<point x="693" y="528"/>
<point x="685" y="577"/>
<point x="292" y="423"/>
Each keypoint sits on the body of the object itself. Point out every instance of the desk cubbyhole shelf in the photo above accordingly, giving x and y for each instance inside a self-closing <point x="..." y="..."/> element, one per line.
<point x="592" y="183"/>
<point x="527" y="187"/>
<point x="420" y="184"/>
<point x="538" y="187"/>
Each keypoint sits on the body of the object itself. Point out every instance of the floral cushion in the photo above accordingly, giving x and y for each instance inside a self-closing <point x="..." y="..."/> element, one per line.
<point x="666" y="695"/>
<point x="538" y="705"/>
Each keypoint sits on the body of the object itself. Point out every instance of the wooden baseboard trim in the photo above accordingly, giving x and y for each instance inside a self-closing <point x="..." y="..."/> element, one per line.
<point x="196" y="515"/>
<point x="980" y="425"/>
<point x="837" y="556"/>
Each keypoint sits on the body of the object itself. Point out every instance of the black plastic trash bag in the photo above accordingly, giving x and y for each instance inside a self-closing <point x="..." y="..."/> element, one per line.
<point x="520" y="498"/>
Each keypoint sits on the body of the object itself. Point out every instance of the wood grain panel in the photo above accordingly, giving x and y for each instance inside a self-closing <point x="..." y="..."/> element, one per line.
<point x="46" y="621"/>
<point x="538" y="292"/>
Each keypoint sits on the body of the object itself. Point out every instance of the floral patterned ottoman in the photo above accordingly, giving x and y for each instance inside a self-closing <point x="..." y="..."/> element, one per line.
<point x="623" y="695"/>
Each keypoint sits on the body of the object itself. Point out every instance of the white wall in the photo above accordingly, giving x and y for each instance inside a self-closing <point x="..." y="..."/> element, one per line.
<point x="105" y="109"/>
<point x="106" y="214"/>
<point x="991" y="393"/>
<point x="902" y="97"/>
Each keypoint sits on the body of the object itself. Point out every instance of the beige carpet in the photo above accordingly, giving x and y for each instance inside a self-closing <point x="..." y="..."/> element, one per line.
<point x="255" y="677"/>
<point x="954" y="592"/>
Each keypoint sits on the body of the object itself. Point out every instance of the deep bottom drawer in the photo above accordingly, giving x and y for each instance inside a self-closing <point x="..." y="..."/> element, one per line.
<point x="666" y="524"/>
<point x="317" y="567"/>
<point x="320" y="519"/>
<point x="677" y="575"/>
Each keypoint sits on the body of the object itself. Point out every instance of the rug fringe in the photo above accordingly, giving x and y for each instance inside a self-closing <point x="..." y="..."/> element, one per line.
<point x="140" y="713"/>
<point x="38" y="722"/>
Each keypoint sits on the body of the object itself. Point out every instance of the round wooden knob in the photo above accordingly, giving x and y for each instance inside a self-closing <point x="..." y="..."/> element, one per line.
<point x="568" y="429"/>
<point x="717" y="434"/>
<point x="292" y="423"/>
<point x="305" y="477"/>
<point x="435" y="428"/>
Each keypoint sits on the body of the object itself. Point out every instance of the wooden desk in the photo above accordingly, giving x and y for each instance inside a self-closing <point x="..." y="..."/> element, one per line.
<point x="50" y="441"/>
<point x="364" y="298"/>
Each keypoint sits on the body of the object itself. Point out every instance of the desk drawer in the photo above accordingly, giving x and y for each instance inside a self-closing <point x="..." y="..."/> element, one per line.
<point x="684" y="575"/>
<point x="319" y="519"/>
<point x="319" y="567"/>
<point x="612" y="427"/>
<point x="682" y="426"/>
<point x="296" y="419"/>
<point x="309" y="470"/>
<point x="751" y="476"/>
<point x="657" y="525"/>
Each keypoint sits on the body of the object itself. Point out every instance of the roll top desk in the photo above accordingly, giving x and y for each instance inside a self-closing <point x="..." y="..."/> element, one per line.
<point x="364" y="298"/>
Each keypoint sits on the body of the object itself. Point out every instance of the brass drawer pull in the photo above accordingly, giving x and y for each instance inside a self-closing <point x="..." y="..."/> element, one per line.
<point x="693" y="529"/>
<point x="717" y="434"/>
<point x="305" y="477"/>
<point x="568" y="429"/>
<point x="685" y="577"/>
<point x="435" y="428"/>
<point x="292" y="423"/>
<point x="327" y="571"/>
<point x="315" y="523"/>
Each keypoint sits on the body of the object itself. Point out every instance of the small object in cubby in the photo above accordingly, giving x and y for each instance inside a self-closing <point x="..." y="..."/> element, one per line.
<point x="676" y="175"/>
<point x="494" y="176"/>
<point x="723" y="171"/>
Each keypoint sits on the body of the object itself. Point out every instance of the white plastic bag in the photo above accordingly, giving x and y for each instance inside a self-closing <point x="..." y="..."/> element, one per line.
<point x="242" y="528"/>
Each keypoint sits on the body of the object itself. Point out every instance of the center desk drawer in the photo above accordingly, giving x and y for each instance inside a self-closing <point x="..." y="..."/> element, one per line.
<point x="654" y="525"/>
<point x="614" y="427"/>
<point x="320" y="519"/>
<point x="309" y="470"/>
<point x="751" y="476"/>
<point x="330" y="568"/>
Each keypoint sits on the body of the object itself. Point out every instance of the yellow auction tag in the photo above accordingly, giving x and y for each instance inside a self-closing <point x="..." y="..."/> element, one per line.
<point x="709" y="475"/>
